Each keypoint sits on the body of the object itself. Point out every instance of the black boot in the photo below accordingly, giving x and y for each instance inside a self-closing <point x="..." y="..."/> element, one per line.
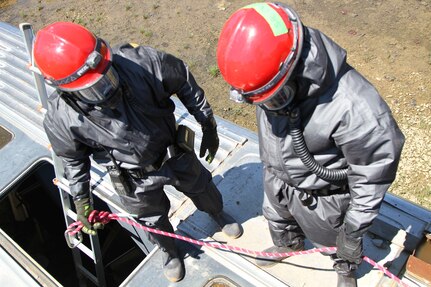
<point x="211" y="202"/>
<point x="269" y="261"/>
<point x="346" y="274"/>
<point x="227" y="224"/>
<point x="173" y="267"/>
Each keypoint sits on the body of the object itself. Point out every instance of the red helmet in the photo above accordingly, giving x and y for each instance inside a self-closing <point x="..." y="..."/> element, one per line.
<point x="258" y="49"/>
<point x="72" y="59"/>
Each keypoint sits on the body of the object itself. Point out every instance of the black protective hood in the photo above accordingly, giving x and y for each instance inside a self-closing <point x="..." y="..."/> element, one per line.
<point x="320" y="64"/>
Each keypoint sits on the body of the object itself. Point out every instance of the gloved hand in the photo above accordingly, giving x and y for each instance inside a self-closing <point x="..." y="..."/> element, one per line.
<point x="210" y="140"/>
<point x="83" y="210"/>
<point x="349" y="248"/>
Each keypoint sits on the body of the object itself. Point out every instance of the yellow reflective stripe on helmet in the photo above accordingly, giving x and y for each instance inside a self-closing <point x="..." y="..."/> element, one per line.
<point x="271" y="16"/>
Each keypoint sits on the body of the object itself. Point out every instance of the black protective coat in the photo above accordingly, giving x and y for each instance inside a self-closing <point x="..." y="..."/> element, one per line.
<point x="137" y="133"/>
<point x="346" y="124"/>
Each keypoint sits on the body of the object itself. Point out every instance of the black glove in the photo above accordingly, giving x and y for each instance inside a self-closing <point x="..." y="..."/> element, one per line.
<point x="210" y="140"/>
<point x="83" y="210"/>
<point x="349" y="248"/>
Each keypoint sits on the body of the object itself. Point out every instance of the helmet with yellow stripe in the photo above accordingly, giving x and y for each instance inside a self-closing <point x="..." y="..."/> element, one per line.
<point x="258" y="49"/>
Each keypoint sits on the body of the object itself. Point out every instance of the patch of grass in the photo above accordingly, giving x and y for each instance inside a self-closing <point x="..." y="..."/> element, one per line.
<point x="146" y="33"/>
<point x="214" y="71"/>
<point x="79" y="21"/>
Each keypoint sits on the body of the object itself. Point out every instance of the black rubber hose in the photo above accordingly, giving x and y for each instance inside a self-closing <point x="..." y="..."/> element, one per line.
<point x="302" y="151"/>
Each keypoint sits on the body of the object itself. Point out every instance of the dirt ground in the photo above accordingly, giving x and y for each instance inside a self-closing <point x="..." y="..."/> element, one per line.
<point x="387" y="41"/>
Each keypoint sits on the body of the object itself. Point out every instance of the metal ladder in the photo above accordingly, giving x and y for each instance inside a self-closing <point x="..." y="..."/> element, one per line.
<point x="94" y="251"/>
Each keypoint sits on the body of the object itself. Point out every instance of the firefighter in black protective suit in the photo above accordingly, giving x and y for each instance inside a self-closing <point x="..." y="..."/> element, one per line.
<point x="115" y="106"/>
<point x="328" y="142"/>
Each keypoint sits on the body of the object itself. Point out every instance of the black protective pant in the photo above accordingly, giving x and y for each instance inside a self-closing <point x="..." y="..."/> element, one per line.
<point x="289" y="220"/>
<point x="149" y="203"/>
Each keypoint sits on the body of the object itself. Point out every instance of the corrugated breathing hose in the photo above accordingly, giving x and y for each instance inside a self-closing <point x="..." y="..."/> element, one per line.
<point x="300" y="148"/>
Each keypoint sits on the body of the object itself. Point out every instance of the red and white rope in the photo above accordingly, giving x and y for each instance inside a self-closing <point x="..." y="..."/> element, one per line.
<point x="104" y="217"/>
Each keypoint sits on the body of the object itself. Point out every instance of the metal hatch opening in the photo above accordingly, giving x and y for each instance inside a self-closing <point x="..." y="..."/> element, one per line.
<point x="31" y="215"/>
<point x="220" y="282"/>
<point x="5" y="137"/>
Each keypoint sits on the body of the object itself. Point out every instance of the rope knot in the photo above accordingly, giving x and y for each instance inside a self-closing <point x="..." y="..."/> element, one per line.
<point x="103" y="217"/>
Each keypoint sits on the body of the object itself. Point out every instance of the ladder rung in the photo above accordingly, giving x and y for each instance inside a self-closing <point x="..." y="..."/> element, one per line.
<point x="84" y="249"/>
<point x="88" y="274"/>
<point x="71" y="214"/>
